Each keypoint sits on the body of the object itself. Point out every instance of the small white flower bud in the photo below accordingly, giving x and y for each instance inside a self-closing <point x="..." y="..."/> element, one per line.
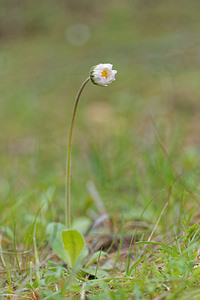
<point x="102" y="74"/>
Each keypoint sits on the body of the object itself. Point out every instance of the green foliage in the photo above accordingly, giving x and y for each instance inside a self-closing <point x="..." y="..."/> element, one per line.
<point x="137" y="140"/>
<point x="67" y="244"/>
<point x="73" y="243"/>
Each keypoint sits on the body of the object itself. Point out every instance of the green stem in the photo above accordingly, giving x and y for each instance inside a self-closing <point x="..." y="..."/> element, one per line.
<point x="68" y="161"/>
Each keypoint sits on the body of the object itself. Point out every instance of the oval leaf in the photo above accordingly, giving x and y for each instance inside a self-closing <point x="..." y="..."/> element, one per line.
<point x="73" y="243"/>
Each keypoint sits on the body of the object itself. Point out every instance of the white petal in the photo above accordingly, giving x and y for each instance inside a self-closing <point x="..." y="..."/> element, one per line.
<point x="97" y="76"/>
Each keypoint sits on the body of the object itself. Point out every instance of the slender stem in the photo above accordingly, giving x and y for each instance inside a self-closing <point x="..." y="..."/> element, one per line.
<point x="68" y="161"/>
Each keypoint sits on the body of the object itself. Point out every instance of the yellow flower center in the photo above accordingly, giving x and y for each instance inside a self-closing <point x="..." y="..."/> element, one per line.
<point x="104" y="74"/>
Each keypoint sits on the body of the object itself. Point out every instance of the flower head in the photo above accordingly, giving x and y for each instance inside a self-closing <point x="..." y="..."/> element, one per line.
<point x="102" y="74"/>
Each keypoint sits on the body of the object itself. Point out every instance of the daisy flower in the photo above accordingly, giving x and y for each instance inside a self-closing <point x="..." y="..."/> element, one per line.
<point x="102" y="74"/>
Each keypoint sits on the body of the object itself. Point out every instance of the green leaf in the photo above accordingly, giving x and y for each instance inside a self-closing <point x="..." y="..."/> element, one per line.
<point x="54" y="230"/>
<point x="73" y="243"/>
<point x="97" y="273"/>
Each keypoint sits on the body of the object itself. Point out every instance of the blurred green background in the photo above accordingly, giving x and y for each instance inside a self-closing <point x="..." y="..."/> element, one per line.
<point x="46" y="51"/>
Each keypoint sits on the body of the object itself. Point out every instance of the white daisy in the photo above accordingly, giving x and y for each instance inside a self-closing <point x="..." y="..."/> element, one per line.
<point x="102" y="74"/>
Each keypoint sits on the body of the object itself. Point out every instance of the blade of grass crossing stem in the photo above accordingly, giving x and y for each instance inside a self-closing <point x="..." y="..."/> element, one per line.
<point x="120" y="243"/>
<point x="15" y="250"/>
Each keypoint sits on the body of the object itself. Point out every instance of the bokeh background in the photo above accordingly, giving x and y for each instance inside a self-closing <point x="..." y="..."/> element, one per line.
<point x="46" y="51"/>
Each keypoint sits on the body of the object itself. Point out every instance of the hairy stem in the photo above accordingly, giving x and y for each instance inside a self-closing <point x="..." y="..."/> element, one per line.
<point x="68" y="161"/>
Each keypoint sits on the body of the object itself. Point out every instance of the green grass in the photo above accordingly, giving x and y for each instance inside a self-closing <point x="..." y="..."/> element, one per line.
<point x="137" y="141"/>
